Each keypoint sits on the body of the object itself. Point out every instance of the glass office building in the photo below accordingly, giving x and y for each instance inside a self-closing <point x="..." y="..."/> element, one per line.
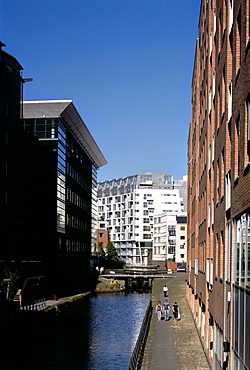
<point x="62" y="155"/>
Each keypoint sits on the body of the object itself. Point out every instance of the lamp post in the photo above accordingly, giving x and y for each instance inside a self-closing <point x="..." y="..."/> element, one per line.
<point x="23" y="81"/>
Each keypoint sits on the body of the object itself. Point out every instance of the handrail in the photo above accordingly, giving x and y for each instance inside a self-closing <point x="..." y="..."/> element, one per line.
<point x="30" y="278"/>
<point x="38" y="305"/>
<point x="135" y="360"/>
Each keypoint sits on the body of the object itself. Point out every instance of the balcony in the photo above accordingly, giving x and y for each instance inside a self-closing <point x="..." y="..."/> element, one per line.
<point x="171" y="250"/>
<point x="171" y="242"/>
<point x="171" y="233"/>
<point x="147" y="236"/>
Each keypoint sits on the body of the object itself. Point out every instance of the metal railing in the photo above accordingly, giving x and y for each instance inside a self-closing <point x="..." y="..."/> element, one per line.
<point x="137" y="355"/>
<point x="38" y="305"/>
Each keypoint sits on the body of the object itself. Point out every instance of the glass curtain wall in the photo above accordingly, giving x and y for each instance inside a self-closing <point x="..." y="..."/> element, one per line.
<point x="52" y="130"/>
<point x="61" y="176"/>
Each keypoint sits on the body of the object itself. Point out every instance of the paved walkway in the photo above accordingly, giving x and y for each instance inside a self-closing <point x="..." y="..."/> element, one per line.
<point x="173" y="345"/>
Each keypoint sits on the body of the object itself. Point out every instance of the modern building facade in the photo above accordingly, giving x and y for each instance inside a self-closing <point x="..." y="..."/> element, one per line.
<point x="169" y="238"/>
<point x="218" y="254"/>
<point x="14" y="221"/>
<point x="127" y="205"/>
<point x="62" y="158"/>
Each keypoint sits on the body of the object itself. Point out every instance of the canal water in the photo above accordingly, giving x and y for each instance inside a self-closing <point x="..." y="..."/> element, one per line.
<point x="98" y="332"/>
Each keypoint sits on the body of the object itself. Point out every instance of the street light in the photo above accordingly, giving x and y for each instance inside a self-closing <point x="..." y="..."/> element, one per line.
<point x="23" y="81"/>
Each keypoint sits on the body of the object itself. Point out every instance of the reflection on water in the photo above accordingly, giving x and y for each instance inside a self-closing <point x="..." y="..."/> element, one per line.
<point x="97" y="333"/>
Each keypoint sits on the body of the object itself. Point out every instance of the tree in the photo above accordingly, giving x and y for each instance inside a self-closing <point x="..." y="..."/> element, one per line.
<point x="13" y="277"/>
<point x="111" y="251"/>
<point x="101" y="252"/>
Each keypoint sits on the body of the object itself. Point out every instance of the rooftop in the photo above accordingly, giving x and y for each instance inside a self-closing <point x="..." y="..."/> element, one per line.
<point x="67" y="111"/>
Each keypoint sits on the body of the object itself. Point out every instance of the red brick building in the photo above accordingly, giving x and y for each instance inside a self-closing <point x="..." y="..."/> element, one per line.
<point x="218" y="234"/>
<point x="102" y="236"/>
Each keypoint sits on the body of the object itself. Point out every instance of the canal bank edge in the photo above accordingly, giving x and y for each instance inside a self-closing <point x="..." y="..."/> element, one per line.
<point x="103" y="286"/>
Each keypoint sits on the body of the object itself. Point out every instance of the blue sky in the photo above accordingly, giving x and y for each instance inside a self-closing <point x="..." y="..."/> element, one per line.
<point x="126" y="64"/>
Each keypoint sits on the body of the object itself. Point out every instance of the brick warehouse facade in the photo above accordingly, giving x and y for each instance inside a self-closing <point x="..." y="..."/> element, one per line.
<point x="218" y="233"/>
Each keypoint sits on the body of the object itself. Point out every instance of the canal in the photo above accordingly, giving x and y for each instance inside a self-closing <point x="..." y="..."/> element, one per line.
<point x="98" y="332"/>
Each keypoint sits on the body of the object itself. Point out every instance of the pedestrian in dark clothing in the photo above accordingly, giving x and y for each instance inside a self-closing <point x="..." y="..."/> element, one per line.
<point x="175" y="311"/>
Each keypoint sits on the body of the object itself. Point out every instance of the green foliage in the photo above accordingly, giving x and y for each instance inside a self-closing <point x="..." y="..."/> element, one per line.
<point x="123" y="263"/>
<point x="101" y="252"/>
<point x="111" y="251"/>
<point x="14" y="277"/>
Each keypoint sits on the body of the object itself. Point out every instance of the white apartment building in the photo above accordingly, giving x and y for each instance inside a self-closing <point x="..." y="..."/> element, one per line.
<point x="128" y="206"/>
<point x="169" y="238"/>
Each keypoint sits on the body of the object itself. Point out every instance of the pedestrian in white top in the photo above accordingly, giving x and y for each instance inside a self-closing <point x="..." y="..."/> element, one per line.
<point x="165" y="290"/>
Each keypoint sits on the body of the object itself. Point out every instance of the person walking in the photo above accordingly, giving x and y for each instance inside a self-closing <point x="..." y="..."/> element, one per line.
<point x="175" y="311"/>
<point x="158" y="310"/>
<point x="166" y="306"/>
<point x="165" y="290"/>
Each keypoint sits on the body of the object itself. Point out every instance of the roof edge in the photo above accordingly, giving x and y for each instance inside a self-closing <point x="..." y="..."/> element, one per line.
<point x="47" y="101"/>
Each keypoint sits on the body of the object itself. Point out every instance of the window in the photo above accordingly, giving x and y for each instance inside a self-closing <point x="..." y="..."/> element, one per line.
<point x="242" y="271"/>
<point x="171" y="230"/>
<point x="236" y="148"/>
<point x="227" y="256"/>
<point x="231" y="14"/>
<point x="168" y="179"/>
<point x="248" y="127"/>
<point x="218" y="336"/>
<point x="209" y="271"/>
<point x="171" y="249"/>
<point x="222" y="173"/>
<point x="146" y="178"/>
<point x="241" y="337"/>
<point x="182" y="237"/>
<point x="230" y="97"/>
<point x="218" y="181"/>
<point x="196" y="266"/>
<point x="228" y="190"/>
